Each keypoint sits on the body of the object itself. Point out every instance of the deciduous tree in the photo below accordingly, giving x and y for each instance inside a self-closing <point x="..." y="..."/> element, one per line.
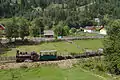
<point x="112" y="47"/>
<point x="23" y="28"/>
<point x="37" y="27"/>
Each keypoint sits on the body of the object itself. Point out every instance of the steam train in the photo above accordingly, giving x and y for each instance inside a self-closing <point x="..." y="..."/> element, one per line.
<point x="51" y="56"/>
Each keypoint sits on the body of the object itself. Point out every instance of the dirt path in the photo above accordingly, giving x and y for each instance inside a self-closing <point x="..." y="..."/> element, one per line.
<point x="62" y="64"/>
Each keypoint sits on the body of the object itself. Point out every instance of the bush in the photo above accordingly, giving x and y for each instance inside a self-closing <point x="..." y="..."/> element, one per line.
<point x="93" y="64"/>
<point x="73" y="30"/>
<point x="56" y="37"/>
<point x="36" y="65"/>
<point x="100" y="67"/>
<point x="72" y="54"/>
<point x="24" y="66"/>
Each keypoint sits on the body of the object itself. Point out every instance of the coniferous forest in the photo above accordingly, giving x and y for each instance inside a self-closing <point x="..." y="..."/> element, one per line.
<point x="73" y="12"/>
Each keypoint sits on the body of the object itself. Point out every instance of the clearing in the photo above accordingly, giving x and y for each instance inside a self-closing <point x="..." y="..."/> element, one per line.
<point x="63" y="47"/>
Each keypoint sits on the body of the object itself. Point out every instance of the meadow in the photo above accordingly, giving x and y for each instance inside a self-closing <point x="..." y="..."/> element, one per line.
<point x="63" y="47"/>
<point x="47" y="73"/>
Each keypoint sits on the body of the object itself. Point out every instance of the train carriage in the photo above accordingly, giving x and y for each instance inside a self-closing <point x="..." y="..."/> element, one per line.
<point x="48" y="55"/>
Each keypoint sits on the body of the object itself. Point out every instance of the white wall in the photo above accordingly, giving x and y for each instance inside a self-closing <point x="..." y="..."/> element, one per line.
<point x="103" y="31"/>
<point x="89" y="31"/>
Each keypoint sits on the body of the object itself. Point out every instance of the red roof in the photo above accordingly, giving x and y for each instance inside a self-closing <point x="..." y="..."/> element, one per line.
<point x="94" y="27"/>
<point x="2" y="27"/>
<point x="90" y="28"/>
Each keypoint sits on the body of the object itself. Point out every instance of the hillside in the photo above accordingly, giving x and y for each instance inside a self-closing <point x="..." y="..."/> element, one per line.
<point x="73" y="12"/>
<point x="61" y="70"/>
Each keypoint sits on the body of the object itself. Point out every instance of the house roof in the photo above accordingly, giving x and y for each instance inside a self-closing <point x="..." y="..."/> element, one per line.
<point x="94" y="27"/>
<point x="47" y="51"/>
<point x="90" y="28"/>
<point x="48" y="32"/>
<point x="2" y="27"/>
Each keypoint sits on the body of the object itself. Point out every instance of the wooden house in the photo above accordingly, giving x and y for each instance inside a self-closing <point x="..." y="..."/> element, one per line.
<point x="49" y="33"/>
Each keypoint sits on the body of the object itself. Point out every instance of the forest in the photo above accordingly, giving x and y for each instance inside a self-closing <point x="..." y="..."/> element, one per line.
<point x="74" y="13"/>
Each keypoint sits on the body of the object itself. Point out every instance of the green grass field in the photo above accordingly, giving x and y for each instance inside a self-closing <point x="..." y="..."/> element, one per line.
<point x="62" y="47"/>
<point x="47" y="73"/>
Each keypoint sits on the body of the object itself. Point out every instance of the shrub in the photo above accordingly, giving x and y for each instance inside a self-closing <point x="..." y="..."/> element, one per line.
<point x="91" y="64"/>
<point x="100" y="67"/>
<point x="36" y="65"/>
<point x="24" y="66"/>
<point x="73" y="30"/>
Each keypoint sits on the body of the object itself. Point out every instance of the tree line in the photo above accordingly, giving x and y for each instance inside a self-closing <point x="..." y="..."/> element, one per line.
<point x="20" y="27"/>
<point x="74" y="13"/>
<point x="112" y="47"/>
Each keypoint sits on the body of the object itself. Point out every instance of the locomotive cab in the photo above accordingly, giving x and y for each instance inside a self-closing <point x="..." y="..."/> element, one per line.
<point x="24" y="56"/>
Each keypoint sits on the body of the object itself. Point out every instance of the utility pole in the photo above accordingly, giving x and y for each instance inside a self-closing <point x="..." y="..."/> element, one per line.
<point x="40" y="32"/>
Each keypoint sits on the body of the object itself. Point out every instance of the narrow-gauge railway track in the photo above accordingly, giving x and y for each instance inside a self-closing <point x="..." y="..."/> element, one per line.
<point x="61" y="63"/>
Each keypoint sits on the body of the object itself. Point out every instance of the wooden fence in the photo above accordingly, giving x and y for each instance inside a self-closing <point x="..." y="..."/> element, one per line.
<point x="7" y="59"/>
<point x="38" y="40"/>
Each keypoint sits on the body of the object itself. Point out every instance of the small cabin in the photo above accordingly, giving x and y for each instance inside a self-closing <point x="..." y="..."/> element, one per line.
<point x="103" y="31"/>
<point x="48" y="33"/>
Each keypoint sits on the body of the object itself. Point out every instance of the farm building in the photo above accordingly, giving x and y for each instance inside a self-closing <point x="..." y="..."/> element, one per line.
<point x="103" y="30"/>
<point x="49" y="33"/>
<point x="89" y="29"/>
<point x="2" y="27"/>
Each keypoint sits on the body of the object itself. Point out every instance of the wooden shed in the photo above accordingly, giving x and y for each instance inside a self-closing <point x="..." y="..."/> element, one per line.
<point x="49" y="33"/>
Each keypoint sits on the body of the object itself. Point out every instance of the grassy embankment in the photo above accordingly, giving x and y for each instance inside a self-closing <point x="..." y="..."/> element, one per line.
<point x="47" y="73"/>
